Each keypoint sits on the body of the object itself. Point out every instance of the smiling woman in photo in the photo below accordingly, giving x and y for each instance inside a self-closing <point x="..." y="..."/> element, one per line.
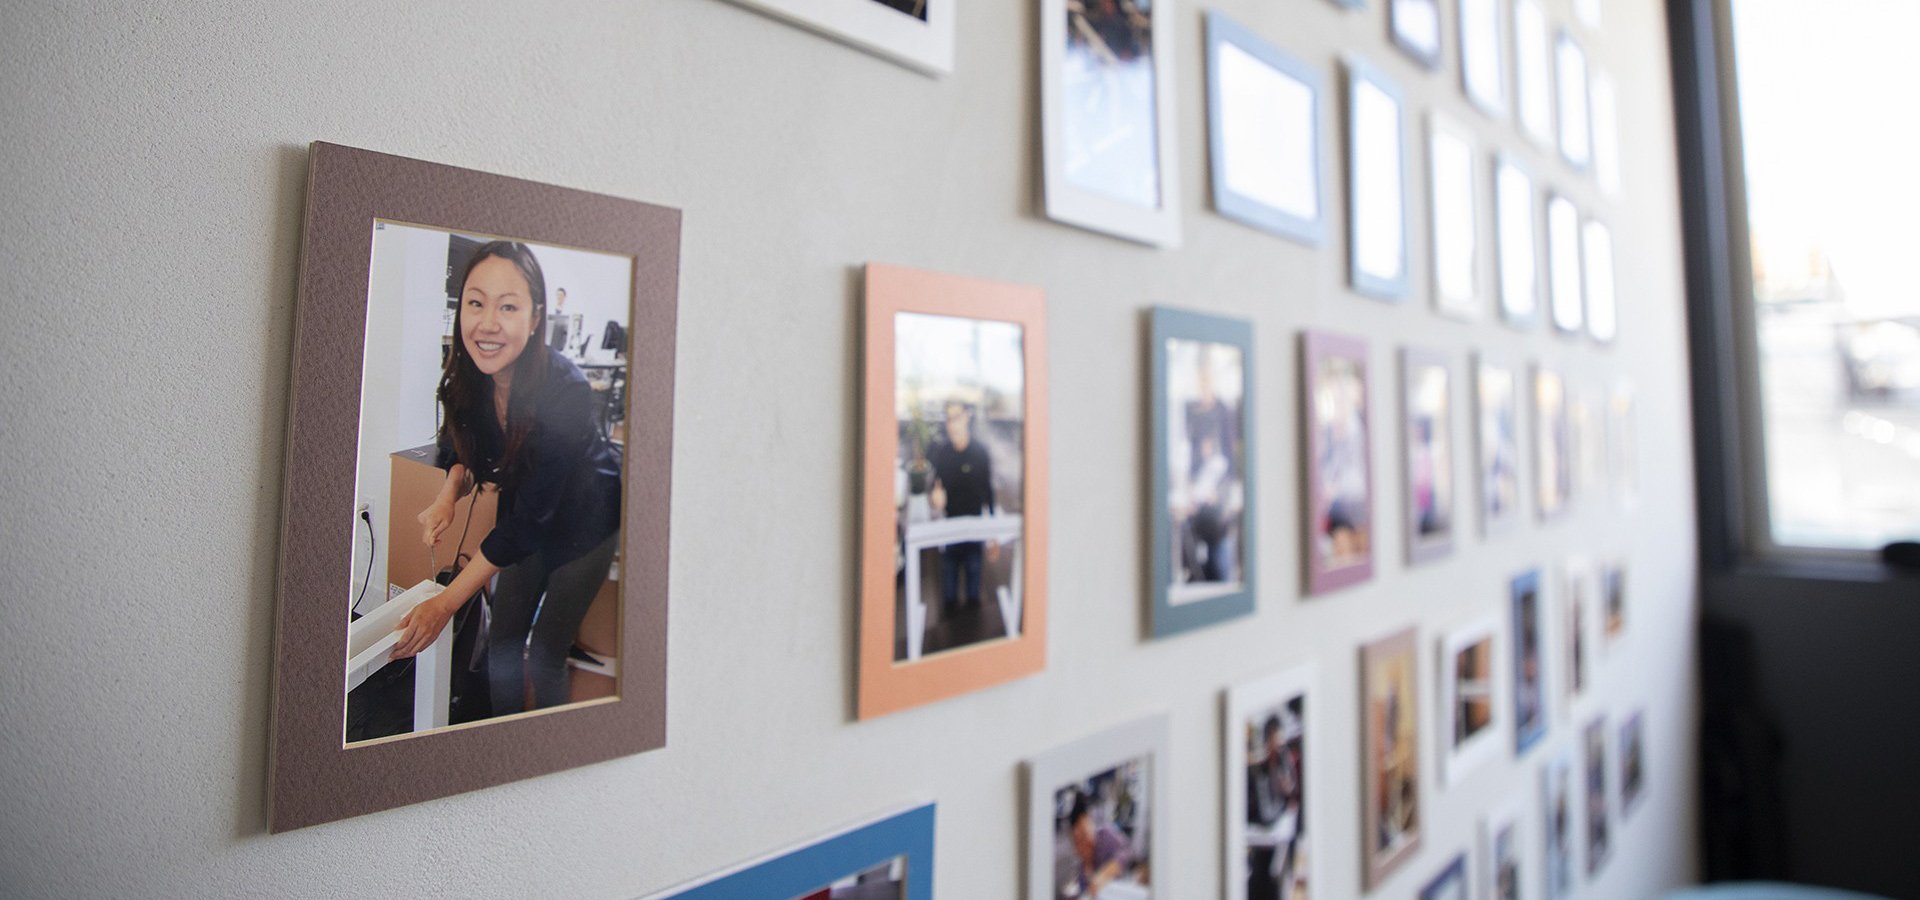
<point x="520" y="416"/>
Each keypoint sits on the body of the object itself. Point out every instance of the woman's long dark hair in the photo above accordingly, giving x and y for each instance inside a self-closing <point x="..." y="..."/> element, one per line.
<point x="466" y="393"/>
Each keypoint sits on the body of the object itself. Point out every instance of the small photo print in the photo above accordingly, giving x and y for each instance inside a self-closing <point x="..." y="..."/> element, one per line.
<point x="1391" y="818"/>
<point x="1596" y="783"/>
<point x="1529" y="670"/>
<point x="1340" y="480"/>
<point x="1206" y="468"/>
<point x="884" y="881"/>
<point x="1467" y="709"/>
<point x="1553" y="468"/>
<point x="959" y="406"/>
<point x="1450" y="884"/>
<point x="1579" y="591"/>
<point x="1499" y="444"/>
<point x="1428" y="395"/>
<point x="1276" y="820"/>
<point x="1613" y="593"/>
<point x="1500" y="846"/>
<point x="492" y="395"/>
<point x="1633" y="764"/>
<point x="1101" y="835"/>
<point x="1556" y="791"/>
<point x="1107" y="83"/>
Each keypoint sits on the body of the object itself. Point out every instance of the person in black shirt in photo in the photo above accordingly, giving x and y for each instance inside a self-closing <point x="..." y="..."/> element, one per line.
<point x="963" y="486"/>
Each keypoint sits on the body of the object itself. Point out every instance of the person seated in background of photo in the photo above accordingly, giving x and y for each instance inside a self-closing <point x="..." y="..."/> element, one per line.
<point x="519" y="415"/>
<point x="1101" y="853"/>
<point x="963" y="486"/>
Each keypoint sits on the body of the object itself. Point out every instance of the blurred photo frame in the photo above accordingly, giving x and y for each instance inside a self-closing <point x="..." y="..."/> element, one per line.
<point x="917" y="34"/>
<point x="1470" y="710"/>
<point x="1453" y="176"/>
<point x="955" y="391"/>
<point x="1483" y="55"/>
<point x="1427" y="453"/>
<point x="1502" y="868"/>
<point x="890" y="856"/>
<point x="1270" y="745"/>
<point x="1596" y="249"/>
<point x="1599" y="816"/>
<point x="1202" y="483"/>
<point x="1264" y="110"/>
<point x="1085" y="799"/>
<point x="1516" y="222"/>
<point x="1558" y="820"/>
<point x="1497" y="443"/>
<point x="1378" y="172"/>
<point x="1533" y="72"/>
<point x="315" y="774"/>
<point x="1414" y="27"/>
<point x="1579" y="596"/>
<point x="1337" y="435"/>
<point x="1107" y="119"/>
<point x="1566" y="283"/>
<point x="1552" y="443"/>
<point x="1391" y="811"/>
<point x="1633" y="763"/>
<point x="1570" y="80"/>
<point x="1529" y="649"/>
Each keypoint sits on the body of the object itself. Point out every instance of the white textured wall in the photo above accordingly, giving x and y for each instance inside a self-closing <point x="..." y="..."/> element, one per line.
<point x="152" y="184"/>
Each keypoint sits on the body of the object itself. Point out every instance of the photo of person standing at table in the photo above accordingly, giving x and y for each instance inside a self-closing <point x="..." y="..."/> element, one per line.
<point x="962" y="486"/>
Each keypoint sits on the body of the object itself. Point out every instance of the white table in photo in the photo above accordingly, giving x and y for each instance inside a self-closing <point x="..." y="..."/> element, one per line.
<point x="937" y="533"/>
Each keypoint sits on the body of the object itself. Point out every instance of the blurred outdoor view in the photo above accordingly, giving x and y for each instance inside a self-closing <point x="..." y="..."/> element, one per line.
<point x="1833" y="186"/>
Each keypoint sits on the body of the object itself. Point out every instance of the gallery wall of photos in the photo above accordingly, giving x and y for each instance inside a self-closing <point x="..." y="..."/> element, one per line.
<point x="1072" y="449"/>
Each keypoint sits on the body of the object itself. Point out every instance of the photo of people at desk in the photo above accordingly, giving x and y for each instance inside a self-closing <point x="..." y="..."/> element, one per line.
<point x="1276" y="828"/>
<point x="1206" y="468"/>
<point x="960" y="405"/>
<point x="1101" y="843"/>
<point x="487" y="520"/>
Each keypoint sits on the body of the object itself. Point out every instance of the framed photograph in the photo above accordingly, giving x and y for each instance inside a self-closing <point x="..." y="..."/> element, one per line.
<point x="1598" y="834"/>
<point x="1455" y="219"/>
<point x="1633" y="764"/>
<point x="1268" y="854"/>
<point x="448" y="396"/>
<point x="1501" y="869"/>
<point x="1622" y="461"/>
<point x="1557" y="823"/>
<point x="1596" y="244"/>
<point x="1096" y="815"/>
<point x="1390" y="719"/>
<point x="1606" y="131"/>
<point x="1426" y="392"/>
<point x="1201" y="476"/>
<point x="917" y="34"/>
<point x="1483" y="56"/>
<point x="1263" y="133"/>
<point x="1529" y="665"/>
<point x="1552" y="462"/>
<point x="1451" y="883"/>
<point x="1613" y="599"/>
<point x="1533" y="71"/>
<point x="889" y="858"/>
<point x="1107" y="118"/>
<point x="1470" y="723"/>
<point x="1414" y="26"/>
<point x="1516" y="223"/>
<point x="1377" y="176"/>
<point x="1564" y="278"/>
<point x="1587" y="441"/>
<point x="1570" y="77"/>
<point x="1338" y="463"/>
<point x="1497" y="431"/>
<point x="953" y="564"/>
<point x="1577" y="605"/>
